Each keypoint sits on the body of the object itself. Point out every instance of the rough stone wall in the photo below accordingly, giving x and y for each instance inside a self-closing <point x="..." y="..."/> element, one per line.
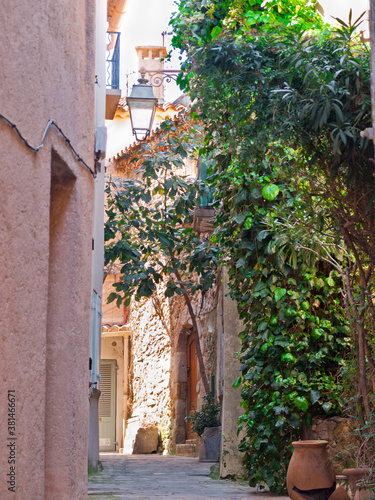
<point x="343" y="444"/>
<point x="150" y="365"/>
<point x="206" y="314"/>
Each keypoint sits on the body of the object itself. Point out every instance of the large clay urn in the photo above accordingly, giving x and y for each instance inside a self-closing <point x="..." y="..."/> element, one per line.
<point x="310" y="473"/>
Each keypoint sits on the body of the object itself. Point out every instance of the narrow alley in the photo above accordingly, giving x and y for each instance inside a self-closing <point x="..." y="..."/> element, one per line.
<point x="146" y="477"/>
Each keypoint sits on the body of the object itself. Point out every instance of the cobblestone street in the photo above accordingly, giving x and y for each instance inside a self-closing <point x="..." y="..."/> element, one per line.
<point x="146" y="477"/>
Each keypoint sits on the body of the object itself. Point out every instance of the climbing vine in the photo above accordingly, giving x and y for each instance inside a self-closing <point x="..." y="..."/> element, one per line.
<point x="283" y="100"/>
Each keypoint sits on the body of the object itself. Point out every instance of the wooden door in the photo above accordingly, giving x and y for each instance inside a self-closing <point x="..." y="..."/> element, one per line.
<point x="192" y="380"/>
<point x="107" y="405"/>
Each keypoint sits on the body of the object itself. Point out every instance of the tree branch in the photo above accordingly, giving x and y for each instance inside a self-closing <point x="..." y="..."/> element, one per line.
<point x="194" y="322"/>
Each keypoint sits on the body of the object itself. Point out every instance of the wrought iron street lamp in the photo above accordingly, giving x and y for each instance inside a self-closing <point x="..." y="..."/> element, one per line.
<point x="142" y="106"/>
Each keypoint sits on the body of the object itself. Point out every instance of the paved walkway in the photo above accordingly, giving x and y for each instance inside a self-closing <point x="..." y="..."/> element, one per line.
<point x="146" y="477"/>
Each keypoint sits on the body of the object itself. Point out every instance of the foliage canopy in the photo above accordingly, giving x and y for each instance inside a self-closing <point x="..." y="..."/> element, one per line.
<point x="283" y="100"/>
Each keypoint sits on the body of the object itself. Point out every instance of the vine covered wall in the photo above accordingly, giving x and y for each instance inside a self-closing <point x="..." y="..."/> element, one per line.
<point x="283" y="99"/>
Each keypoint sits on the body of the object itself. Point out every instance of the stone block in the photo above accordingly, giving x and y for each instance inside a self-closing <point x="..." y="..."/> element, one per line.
<point x="179" y="434"/>
<point x="186" y="450"/>
<point x="146" y="440"/>
<point x="180" y="411"/>
<point x="181" y="368"/>
<point x="179" y="390"/>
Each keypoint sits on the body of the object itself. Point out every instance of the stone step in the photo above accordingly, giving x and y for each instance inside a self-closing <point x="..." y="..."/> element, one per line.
<point x="191" y="441"/>
<point x="186" y="450"/>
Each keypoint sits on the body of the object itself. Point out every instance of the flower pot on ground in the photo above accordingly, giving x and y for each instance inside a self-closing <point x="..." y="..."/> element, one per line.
<point x="354" y="477"/>
<point x="340" y="493"/>
<point x="310" y="472"/>
<point x="206" y="423"/>
<point x="209" y="444"/>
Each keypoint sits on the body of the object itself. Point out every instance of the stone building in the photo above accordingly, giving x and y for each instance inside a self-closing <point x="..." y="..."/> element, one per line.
<point x="129" y="336"/>
<point x="155" y="379"/>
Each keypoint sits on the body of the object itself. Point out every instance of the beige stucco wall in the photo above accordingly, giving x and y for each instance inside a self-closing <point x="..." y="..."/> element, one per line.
<point x="47" y="73"/>
<point x="229" y="327"/>
<point x="111" y="313"/>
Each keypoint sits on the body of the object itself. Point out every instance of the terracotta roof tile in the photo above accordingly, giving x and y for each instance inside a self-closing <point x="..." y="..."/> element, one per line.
<point x="130" y="150"/>
<point x="166" y="106"/>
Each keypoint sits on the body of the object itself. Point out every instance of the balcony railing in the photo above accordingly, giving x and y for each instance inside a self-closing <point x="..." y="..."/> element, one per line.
<point x="113" y="60"/>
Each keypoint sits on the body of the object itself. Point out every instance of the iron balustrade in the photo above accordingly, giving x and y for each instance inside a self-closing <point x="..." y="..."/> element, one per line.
<point x="113" y="60"/>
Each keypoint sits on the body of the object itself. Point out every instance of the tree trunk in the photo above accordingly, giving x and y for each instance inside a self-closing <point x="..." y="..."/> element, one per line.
<point x="197" y="344"/>
<point x="195" y="326"/>
<point x="354" y="319"/>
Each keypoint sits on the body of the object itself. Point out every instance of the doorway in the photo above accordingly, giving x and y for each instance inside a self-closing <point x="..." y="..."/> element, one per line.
<point x="107" y="405"/>
<point x="192" y="380"/>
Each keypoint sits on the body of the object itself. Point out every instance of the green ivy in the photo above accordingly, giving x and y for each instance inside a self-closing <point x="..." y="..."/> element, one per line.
<point x="282" y="110"/>
<point x="294" y="343"/>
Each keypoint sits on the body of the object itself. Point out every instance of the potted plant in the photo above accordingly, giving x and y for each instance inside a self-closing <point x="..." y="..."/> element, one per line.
<point x="206" y="423"/>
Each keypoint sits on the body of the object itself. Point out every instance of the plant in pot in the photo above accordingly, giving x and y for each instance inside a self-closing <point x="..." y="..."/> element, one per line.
<point x="206" y="423"/>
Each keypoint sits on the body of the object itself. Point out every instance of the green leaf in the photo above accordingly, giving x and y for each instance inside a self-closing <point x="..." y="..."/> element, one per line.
<point x="288" y="358"/>
<point x="215" y="32"/>
<point x="327" y="407"/>
<point x="270" y="192"/>
<point x="308" y="420"/>
<point x="314" y="396"/>
<point x="240" y="218"/>
<point x="279" y="293"/>
<point x="111" y="297"/>
<point x="237" y="383"/>
<point x="301" y="403"/>
<point x="241" y="262"/>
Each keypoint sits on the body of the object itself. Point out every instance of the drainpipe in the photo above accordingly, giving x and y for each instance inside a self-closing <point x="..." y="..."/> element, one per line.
<point x="115" y="21"/>
<point x="95" y="339"/>
<point x="126" y="386"/>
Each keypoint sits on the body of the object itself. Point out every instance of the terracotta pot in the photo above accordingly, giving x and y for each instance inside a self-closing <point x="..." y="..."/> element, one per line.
<point x="354" y="475"/>
<point x="310" y="473"/>
<point x="340" y="493"/>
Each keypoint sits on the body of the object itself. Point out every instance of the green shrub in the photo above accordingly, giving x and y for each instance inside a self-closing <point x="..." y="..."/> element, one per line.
<point x="207" y="416"/>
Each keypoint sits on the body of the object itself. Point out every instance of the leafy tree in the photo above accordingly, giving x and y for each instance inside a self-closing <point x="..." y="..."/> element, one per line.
<point x="282" y="109"/>
<point x="149" y="227"/>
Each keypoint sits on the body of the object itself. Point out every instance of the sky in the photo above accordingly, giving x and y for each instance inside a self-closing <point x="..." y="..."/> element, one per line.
<point x="143" y="24"/>
<point x="341" y="8"/>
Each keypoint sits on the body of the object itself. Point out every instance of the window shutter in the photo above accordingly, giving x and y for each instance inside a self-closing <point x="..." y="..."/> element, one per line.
<point x="105" y="400"/>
